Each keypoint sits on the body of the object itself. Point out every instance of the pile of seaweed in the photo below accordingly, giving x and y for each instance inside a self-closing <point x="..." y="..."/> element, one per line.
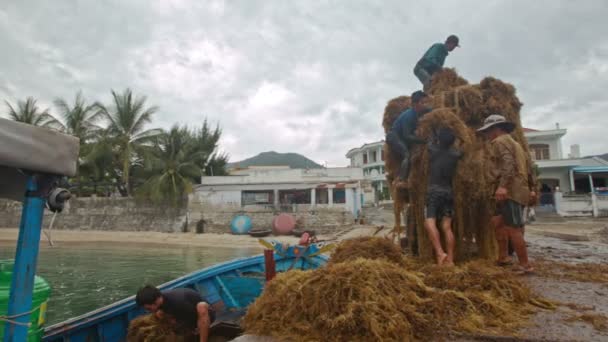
<point x="363" y="296"/>
<point x="149" y="328"/>
<point x="462" y="107"/>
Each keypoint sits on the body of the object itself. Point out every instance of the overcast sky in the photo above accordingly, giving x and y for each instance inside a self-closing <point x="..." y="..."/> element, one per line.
<point x="310" y="77"/>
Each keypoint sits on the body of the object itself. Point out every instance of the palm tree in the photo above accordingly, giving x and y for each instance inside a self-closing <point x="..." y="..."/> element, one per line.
<point x="171" y="167"/>
<point x="204" y="147"/>
<point x="79" y="119"/>
<point x="28" y="112"/>
<point x="127" y="119"/>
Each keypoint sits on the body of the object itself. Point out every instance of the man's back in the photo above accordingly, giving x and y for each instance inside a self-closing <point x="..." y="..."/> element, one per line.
<point x="181" y="304"/>
<point x="442" y="166"/>
<point x="510" y="167"/>
<point x="434" y="57"/>
<point x="405" y="122"/>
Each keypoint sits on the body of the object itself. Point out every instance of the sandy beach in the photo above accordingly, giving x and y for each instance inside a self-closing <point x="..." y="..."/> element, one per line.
<point x="190" y="239"/>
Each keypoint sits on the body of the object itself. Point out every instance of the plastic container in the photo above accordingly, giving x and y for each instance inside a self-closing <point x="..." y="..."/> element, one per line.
<point x="283" y="224"/>
<point x="240" y="225"/>
<point x="42" y="292"/>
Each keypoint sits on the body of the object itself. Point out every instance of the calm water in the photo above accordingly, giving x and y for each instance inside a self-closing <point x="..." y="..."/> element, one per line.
<point x="86" y="276"/>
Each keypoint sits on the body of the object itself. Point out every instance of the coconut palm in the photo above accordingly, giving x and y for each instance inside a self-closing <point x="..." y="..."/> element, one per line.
<point x="171" y="166"/>
<point x="79" y="119"/>
<point x="204" y="145"/>
<point x="127" y="117"/>
<point x="28" y="112"/>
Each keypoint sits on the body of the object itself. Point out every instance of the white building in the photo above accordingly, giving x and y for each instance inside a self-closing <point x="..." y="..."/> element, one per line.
<point x="285" y="189"/>
<point x="370" y="158"/>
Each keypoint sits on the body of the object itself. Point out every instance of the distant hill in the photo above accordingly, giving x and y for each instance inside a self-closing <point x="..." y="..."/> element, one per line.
<point x="293" y="160"/>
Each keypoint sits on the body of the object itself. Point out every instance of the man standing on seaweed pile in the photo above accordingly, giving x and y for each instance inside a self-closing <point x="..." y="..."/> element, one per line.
<point x="433" y="60"/>
<point x="510" y="176"/>
<point x="439" y="207"/>
<point x="402" y="135"/>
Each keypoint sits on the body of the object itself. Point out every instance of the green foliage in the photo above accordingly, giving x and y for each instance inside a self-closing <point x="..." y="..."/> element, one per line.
<point x="28" y="112"/>
<point x="118" y="151"/>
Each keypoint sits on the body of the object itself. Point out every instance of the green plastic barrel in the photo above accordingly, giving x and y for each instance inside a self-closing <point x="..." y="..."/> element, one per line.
<point x="42" y="291"/>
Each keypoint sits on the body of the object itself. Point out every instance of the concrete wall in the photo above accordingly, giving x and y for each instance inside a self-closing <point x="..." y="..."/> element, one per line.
<point x="207" y="217"/>
<point x="103" y="214"/>
<point x="579" y="205"/>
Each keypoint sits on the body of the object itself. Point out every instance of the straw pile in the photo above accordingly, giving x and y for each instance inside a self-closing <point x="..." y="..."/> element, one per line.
<point x="369" y="248"/>
<point x="462" y="107"/>
<point x="378" y="300"/>
<point x="149" y="328"/>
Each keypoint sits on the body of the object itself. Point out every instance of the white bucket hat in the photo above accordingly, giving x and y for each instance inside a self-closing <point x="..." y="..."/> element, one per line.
<point x="494" y="120"/>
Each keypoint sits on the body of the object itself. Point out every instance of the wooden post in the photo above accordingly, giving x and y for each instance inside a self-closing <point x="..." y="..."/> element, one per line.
<point x="269" y="264"/>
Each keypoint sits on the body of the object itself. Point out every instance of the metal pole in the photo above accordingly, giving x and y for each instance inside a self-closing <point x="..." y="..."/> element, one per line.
<point x="24" y="270"/>
<point x="591" y="183"/>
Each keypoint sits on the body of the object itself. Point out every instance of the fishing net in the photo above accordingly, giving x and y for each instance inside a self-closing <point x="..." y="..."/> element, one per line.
<point x="379" y="300"/>
<point x="149" y="328"/>
<point x="462" y="107"/>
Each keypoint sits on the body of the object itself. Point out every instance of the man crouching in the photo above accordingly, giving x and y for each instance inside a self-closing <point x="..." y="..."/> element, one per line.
<point x="185" y="307"/>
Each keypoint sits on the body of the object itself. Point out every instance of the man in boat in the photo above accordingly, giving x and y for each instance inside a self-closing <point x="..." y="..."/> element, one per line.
<point x="402" y="135"/>
<point x="433" y="59"/>
<point x="439" y="206"/>
<point x="184" y="306"/>
<point x="510" y="176"/>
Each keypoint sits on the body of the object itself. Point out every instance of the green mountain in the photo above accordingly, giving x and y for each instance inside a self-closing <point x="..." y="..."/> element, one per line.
<point x="293" y="160"/>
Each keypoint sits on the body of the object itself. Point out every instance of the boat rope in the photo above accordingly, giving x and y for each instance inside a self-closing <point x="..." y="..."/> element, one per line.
<point x="47" y="232"/>
<point x="9" y="319"/>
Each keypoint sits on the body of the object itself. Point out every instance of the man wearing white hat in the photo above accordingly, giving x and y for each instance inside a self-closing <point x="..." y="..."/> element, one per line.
<point x="511" y="179"/>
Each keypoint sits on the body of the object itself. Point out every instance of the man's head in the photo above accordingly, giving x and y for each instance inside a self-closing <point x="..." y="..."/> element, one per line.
<point x="452" y="42"/>
<point x="496" y="125"/>
<point x="149" y="297"/>
<point x="446" y="137"/>
<point x="420" y="102"/>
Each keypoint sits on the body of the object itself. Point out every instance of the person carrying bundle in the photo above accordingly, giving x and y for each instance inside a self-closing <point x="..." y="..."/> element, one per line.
<point x="433" y="59"/>
<point x="402" y="135"/>
<point x="439" y="206"/>
<point x="509" y="174"/>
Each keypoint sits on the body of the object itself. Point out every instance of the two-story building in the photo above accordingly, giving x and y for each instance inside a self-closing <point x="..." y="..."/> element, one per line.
<point x="370" y="158"/>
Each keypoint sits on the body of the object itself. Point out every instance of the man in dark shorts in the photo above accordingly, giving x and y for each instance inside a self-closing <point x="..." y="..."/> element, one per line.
<point x="443" y="159"/>
<point x="185" y="306"/>
<point x="510" y="176"/>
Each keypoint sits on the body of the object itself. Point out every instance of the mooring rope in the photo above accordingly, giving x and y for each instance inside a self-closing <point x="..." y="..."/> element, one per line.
<point x="47" y="232"/>
<point x="9" y="319"/>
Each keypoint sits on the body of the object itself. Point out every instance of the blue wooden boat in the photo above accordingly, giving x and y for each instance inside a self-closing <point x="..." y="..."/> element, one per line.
<point x="230" y="287"/>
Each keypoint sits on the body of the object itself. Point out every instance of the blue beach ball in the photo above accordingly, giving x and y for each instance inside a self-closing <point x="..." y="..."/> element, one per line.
<point x="240" y="224"/>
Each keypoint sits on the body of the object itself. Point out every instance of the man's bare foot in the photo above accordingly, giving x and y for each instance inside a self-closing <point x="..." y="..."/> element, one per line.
<point x="504" y="262"/>
<point x="441" y="259"/>
<point x="524" y="270"/>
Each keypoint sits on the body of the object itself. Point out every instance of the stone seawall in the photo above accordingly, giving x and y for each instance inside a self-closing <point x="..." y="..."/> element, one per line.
<point x="119" y="214"/>
<point x="126" y="214"/>
<point x="204" y="217"/>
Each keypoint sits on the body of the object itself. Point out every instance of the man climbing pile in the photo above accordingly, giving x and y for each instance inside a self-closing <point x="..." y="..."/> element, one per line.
<point x="433" y="60"/>
<point x="402" y="135"/>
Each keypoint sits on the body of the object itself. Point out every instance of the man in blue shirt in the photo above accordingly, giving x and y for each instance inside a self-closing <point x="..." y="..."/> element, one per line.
<point x="433" y="60"/>
<point x="402" y="135"/>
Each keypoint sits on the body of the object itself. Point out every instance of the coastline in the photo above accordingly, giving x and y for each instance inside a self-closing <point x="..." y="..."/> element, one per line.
<point x="10" y="235"/>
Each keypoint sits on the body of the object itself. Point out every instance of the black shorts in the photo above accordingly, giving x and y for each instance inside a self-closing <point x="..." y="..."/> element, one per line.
<point x="512" y="213"/>
<point x="439" y="203"/>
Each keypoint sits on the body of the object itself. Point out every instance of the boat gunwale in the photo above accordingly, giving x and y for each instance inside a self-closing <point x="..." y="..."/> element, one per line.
<point x="125" y="304"/>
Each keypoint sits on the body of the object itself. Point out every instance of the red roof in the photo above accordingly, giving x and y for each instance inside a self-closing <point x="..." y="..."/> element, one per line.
<point x="529" y="129"/>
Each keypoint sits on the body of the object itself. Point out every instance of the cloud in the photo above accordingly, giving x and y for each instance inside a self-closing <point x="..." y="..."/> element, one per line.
<point x="311" y="77"/>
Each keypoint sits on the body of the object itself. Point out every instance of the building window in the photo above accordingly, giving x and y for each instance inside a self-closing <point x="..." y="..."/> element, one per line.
<point x="340" y="196"/>
<point x="539" y="151"/>
<point x="294" y="196"/>
<point x="257" y="197"/>
<point x="364" y="158"/>
<point x="322" y="196"/>
<point x="374" y="157"/>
